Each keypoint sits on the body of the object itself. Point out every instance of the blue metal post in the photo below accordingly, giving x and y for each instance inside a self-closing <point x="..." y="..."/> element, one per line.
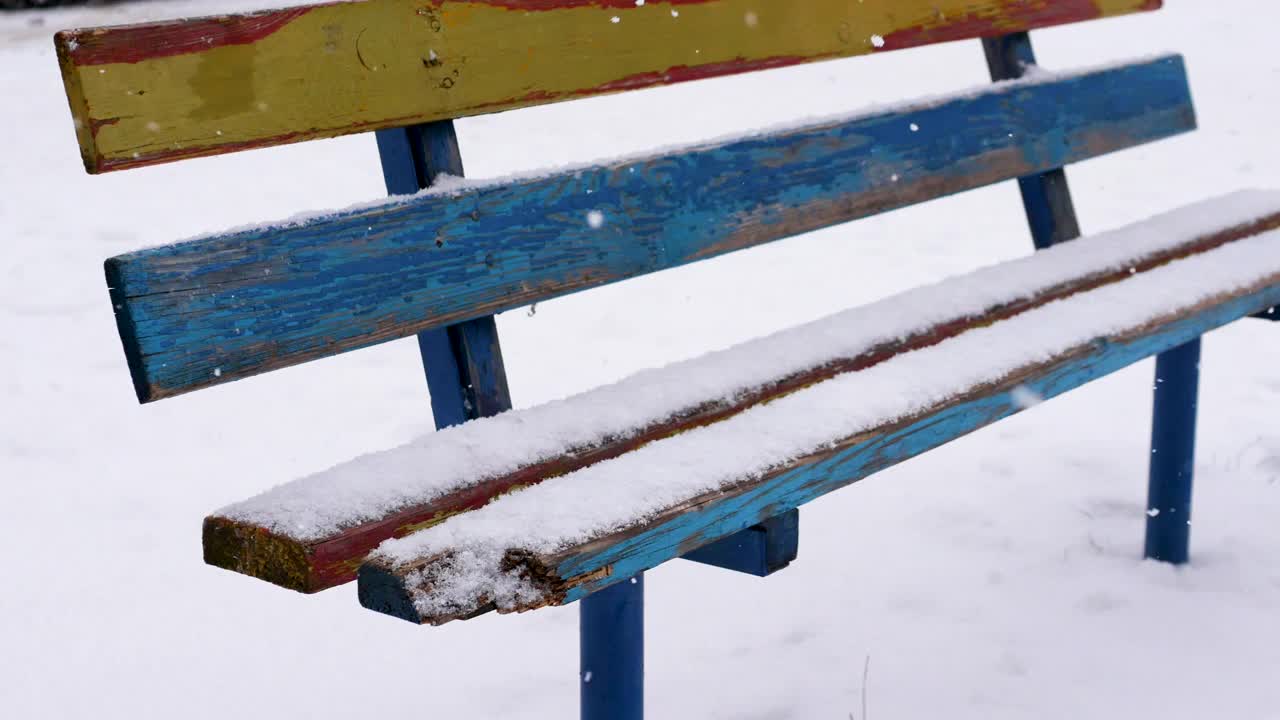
<point x="1045" y="197"/>
<point x="466" y="379"/>
<point x="1052" y="218"/>
<point x="611" y="659"/>
<point x="465" y="374"/>
<point x="1173" y="450"/>
<point x="760" y="550"/>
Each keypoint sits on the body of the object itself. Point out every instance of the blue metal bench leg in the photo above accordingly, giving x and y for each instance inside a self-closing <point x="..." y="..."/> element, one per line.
<point x="466" y="379"/>
<point x="1052" y="218"/>
<point x="760" y="550"/>
<point x="611" y="623"/>
<point x="1173" y="444"/>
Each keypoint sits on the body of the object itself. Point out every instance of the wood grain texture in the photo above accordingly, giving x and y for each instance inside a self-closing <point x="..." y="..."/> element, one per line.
<point x="309" y="567"/>
<point x="570" y="575"/>
<point x="209" y="311"/>
<point x="165" y="91"/>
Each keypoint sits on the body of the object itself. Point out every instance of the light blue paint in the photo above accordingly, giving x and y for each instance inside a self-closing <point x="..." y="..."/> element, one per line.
<point x="661" y="542"/>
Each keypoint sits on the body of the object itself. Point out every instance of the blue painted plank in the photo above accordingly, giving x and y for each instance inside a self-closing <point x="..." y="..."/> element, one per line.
<point x="466" y="377"/>
<point x="760" y="550"/>
<point x="1046" y="197"/>
<point x="213" y="310"/>
<point x="670" y="537"/>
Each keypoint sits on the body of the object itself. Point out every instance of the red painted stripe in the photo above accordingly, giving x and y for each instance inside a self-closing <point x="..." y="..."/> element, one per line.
<point x="684" y="73"/>
<point x="130" y="44"/>
<point x="102" y="164"/>
<point x="1030" y="14"/>
<point x="672" y="75"/>
<point x="536" y="5"/>
<point x="135" y="43"/>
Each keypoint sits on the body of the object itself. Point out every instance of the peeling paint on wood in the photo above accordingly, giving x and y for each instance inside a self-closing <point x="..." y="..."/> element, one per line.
<point x="311" y="567"/>
<point x="574" y="573"/>
<point x="158" y="92"/>
<point x="209" y="311"/>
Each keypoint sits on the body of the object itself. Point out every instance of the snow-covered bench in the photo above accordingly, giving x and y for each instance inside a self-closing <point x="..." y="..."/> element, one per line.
<point x="706" y="459"/>
<point x="704" y="448"/>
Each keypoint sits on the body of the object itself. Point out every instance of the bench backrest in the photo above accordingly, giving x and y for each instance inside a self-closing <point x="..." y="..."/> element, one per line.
<point x="216" y="309"/>
<point x="153" y="93"/>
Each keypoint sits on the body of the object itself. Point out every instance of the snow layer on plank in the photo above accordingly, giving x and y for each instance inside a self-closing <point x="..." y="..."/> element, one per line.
<point x="626" y="491"/>
<point x="375" y="485"/>
<point x="452" y="186"/>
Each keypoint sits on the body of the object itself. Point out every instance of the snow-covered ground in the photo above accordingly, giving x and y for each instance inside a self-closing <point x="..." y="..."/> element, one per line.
<point x="998" y="577"/>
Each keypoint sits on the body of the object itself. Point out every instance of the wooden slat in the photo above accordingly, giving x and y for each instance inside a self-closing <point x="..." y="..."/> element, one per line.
<point x="332" y="560"/>
<point x="147" y="94"/>
<point x="209" y="311"/>
<point x="578" y="571"/>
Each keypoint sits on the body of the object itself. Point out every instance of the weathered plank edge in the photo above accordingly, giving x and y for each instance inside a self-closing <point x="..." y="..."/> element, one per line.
<point x="314" y="566"/>
<point x="158" y="376"/>
<point x="309" y="567"/>
<point x="79" y="106"/>
<point x="571" y="575"/>
<point x="121" y="310"/>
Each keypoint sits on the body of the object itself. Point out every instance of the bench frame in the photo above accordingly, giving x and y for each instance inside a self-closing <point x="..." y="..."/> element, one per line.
<point x="1052" y="218"/>
<point x="463" y="362"/>
<point x="466" y="378"/>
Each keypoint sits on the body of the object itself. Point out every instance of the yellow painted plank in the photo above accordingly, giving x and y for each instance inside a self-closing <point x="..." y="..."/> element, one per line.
<point x="153" y="93"/>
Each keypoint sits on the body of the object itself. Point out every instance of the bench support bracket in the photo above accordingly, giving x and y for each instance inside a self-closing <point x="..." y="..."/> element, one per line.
<point x="760" y="550"/>
<point x="1052" y="217"/>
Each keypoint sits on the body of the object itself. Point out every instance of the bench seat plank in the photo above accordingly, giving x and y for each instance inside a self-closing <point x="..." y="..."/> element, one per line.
<point x="575" y="534"/>
<point x="314" y="532"/>
<point x="217" y="309"/>
<point x="164" y="91"/>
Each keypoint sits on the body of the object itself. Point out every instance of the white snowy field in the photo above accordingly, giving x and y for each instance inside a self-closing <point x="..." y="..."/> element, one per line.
<point x="998" y="577"/>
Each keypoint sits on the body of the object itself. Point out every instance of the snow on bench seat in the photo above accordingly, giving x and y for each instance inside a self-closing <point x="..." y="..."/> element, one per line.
<point x="314" y="532"/>
<point x="579" y="532"/>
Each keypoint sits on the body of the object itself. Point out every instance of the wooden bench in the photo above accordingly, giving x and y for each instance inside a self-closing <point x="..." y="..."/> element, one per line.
<point x="706" y="459"/>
